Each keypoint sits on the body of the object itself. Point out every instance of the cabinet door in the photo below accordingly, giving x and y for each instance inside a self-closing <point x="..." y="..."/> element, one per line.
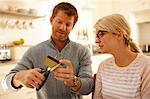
<point x="21" y="94"/>
<point x="30" y="94"/>
<point x="13" y="95"/>
<point x="24" y="93"/>
<point x="3" y="71"/>
<point x="2" y="91"/>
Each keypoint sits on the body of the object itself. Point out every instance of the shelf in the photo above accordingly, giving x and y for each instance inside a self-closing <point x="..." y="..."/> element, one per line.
<point x="19" y="14"/>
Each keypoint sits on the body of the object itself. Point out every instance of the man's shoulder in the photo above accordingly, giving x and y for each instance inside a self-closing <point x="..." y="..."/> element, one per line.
<point x="41" y="44"/>
<point x="76" y="44"/>
<point x="38" y="46"/>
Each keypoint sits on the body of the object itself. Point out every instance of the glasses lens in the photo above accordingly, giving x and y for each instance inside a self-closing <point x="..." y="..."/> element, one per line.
<point x="100" y="34"/>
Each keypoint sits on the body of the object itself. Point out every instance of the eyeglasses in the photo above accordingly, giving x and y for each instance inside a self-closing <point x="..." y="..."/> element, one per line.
<point x="100" y="34"/>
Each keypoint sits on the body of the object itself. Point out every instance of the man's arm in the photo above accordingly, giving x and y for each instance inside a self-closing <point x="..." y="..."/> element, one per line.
<point x="30" y="78"/>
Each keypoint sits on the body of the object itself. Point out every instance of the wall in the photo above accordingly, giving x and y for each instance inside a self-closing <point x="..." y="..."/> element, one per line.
<point x="124" y="7"/>
<point x="144" y="33"/>
<point x="106" y="7"/>
<point x="102" y="8"/>
<point x="40" y="27"/>
<point x="87" y="18"/>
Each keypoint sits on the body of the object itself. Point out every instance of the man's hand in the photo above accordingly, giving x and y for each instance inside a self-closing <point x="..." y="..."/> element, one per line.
<point x="65" y="74"/>
<point x="30" y="78"/>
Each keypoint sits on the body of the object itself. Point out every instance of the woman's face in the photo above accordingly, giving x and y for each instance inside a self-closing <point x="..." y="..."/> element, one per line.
<point x="62" y="24"/>
<point x="106" y="41"/>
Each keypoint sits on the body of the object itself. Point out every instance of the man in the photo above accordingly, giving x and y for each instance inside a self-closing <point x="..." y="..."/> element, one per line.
<point x="68" y="82"/>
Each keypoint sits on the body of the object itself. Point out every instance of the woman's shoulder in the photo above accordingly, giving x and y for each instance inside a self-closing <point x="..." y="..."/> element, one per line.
<point x="143" y="58"/>
<point x="144" y="63"/>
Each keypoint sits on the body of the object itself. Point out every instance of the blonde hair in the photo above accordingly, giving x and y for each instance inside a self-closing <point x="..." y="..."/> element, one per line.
<point x="114" y="23"/>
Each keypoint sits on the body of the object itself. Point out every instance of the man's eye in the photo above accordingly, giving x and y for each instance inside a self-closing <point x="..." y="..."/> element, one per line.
<point x="67" y="25"/>
<point x="59" y="22"/>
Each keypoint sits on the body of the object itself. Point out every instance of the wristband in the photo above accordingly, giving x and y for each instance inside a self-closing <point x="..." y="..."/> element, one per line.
<point x="75" y="83"/>
<point x="13" y="84"/>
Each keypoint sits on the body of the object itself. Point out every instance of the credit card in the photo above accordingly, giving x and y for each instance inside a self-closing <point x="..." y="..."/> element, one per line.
<point x="51" y="63"/>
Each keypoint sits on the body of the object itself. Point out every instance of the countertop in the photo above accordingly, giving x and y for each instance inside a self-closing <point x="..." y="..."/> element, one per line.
<point x="147" y="53"/>
<point x="6" y="63"/>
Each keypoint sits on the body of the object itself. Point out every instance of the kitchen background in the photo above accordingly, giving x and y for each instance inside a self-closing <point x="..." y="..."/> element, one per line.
<point x="24" y="23"/>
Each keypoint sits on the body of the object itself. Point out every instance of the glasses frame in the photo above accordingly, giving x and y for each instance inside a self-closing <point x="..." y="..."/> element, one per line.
<point x="100" y="34"/>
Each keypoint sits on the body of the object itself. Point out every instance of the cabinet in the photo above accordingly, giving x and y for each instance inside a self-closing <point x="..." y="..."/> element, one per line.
<point x="24" y="93"/>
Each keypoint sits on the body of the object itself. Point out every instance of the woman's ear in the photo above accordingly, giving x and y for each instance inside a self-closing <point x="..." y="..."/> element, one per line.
<point x="119" y="34"/>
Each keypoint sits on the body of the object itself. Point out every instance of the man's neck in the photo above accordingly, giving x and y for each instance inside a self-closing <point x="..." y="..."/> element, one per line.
<point x="59" y="45"/>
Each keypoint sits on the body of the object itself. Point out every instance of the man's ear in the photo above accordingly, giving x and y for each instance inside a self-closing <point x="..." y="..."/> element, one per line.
<point x="51" y="19"/>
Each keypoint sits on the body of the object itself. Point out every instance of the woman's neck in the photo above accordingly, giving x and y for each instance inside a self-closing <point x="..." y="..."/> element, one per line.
<point x="124" y="58"/>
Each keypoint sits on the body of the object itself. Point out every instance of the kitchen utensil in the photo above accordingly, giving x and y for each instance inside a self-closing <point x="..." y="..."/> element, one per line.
<point x="26" y="25"/>
<point x="51" y="64"/>
<point x="11" y="23"/>
<point x="22" y="10"/>
<point x="5" y="53"/>
<point x="33" y="11"/>
<point x="146" y="48"/>
<point x="3" y="23"/>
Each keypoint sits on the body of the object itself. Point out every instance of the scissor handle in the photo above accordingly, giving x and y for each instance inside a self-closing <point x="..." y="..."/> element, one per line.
<point x="46" y="74"/>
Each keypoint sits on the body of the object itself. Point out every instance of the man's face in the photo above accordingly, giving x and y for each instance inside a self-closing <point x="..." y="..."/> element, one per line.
<point x="62" y="24"/>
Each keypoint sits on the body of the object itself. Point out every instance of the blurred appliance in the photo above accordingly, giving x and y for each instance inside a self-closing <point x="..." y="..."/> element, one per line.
<point x="5" y="53"/>
<point x="146" y="48"/>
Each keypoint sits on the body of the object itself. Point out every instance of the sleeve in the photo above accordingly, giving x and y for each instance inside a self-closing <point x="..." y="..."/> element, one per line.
<point x="85" y="72"/>
<point x="145" y="87"/>
<point x="6" y="82"/>
<point x="98" y="84"/>
<point x="25" y="63"/>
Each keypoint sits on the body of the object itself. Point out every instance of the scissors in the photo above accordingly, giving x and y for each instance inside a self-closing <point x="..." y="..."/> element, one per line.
<point x="51" y="64"/>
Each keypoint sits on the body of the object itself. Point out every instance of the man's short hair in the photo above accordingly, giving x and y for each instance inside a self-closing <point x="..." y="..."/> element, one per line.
<point x="67" y="8"/>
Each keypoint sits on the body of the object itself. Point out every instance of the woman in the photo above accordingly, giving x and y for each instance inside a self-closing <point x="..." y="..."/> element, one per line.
<point x="126" y="75"/>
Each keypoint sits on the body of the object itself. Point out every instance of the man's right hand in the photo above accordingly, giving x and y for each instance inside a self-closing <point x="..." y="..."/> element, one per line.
<point x="32" y="78"/>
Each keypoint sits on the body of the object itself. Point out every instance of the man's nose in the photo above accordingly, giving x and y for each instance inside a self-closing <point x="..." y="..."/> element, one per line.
<point x="63" y="27"/>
